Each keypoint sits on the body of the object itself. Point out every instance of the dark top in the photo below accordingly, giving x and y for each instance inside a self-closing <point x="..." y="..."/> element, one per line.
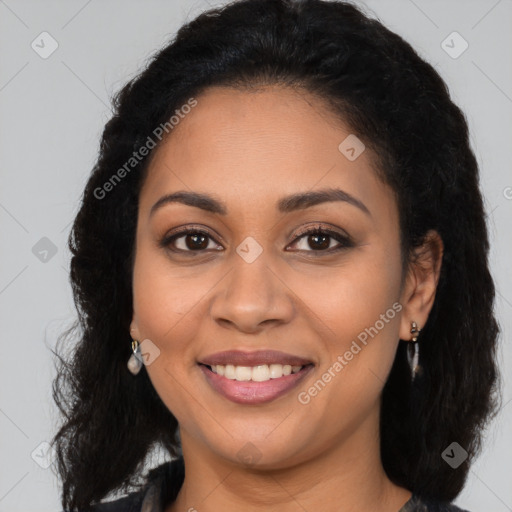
<point x="164" y="483"/>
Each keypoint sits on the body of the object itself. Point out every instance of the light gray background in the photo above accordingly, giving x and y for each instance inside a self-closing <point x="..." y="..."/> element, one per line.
<point x="52" y="113"/>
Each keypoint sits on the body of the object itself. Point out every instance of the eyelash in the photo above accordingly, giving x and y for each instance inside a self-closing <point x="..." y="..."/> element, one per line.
<point x="345" y="241"/>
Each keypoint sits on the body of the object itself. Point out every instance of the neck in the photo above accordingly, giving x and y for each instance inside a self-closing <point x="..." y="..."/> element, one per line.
<point x="348" y="477"/>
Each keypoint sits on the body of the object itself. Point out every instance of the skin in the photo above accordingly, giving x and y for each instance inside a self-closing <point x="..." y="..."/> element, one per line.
<point x="249" y="149"/>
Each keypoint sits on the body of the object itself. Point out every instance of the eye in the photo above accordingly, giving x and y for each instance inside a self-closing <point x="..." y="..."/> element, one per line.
<point x="189" y="240"/>
<point x="320" y="239"/>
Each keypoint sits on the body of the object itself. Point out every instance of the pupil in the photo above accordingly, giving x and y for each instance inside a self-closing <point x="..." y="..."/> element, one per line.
<point x="324" y="244"/>
<point x="198" y="241"/>
<point x="194" y="244"/>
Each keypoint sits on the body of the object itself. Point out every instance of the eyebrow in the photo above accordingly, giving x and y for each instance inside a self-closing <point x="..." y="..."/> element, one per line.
<point x="288" y="204"/>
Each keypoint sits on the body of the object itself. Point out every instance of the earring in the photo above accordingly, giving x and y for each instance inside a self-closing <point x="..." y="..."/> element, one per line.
<point x="413" y="351"/>
<point x="135" y="361"/>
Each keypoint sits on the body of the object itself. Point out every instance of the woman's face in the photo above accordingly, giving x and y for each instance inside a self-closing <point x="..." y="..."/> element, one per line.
<point x="246" y="278"/>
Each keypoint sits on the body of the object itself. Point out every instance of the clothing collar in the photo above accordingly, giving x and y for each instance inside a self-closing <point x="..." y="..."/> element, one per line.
<point x="165" y="481"/>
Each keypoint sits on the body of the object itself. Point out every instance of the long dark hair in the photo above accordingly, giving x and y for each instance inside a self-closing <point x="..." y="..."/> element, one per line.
<point x="400" y="107"/>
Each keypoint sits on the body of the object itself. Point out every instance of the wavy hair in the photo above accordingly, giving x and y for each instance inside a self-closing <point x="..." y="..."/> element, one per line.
<point x="401" y="108"/>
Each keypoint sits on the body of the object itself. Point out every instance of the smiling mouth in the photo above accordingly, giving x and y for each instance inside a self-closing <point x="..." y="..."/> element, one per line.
<point x="254" y="385"/>
<point x="257" y="373"/>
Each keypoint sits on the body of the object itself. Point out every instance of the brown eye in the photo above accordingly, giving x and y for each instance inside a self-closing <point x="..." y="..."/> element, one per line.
<point x="195" y="241"/>
<point x="320" y="239"/>
<point x="191" y="240"/>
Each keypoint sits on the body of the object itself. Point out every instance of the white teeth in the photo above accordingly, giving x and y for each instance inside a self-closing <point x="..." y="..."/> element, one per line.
<point x="229" y="371"/>
<point x="260" y="373"/>
<point x="276" y="371"/>
<point x="243" y="373"/>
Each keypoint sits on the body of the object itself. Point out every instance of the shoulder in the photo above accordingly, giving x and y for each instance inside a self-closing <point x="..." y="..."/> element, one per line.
<point x="417" y="504"/>
<point x="161" y="487"/>
<point x="130" y="503"/>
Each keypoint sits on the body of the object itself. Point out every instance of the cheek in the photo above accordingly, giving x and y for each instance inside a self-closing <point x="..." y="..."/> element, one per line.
<point x="350" y="298"/>
<point x="163" y="297"/>
<point x="356" y="315"/>
<point x="168" y="308"/>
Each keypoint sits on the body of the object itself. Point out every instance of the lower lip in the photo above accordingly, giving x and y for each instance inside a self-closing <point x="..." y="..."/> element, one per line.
<point x="250" y="392"/>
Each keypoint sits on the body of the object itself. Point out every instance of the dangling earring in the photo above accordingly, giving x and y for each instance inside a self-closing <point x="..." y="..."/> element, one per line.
<point x="135" y="361"/>
<point x="413" y="351"/>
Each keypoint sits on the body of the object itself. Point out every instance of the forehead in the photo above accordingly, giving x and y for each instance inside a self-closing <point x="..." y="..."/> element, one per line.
<point x="251" y="147"/>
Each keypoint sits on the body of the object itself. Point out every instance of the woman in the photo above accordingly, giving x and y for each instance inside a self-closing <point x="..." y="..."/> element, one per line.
<point x="280" y="269"/>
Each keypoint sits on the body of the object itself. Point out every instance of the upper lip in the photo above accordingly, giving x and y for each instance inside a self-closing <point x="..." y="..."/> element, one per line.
<point x="259" y="357"/>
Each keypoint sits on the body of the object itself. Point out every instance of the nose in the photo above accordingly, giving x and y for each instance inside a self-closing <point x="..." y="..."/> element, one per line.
<point x="252" y="296"/>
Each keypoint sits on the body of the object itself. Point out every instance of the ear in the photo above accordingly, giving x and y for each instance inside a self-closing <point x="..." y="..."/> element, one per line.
<point x="420" y="286"/>
<point x="134" y="328"/>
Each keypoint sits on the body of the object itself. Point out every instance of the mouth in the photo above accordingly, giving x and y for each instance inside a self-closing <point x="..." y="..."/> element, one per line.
<point x="255" y="358"/>
<point x="258" y="373"/>
<point x="253" y="385"/>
